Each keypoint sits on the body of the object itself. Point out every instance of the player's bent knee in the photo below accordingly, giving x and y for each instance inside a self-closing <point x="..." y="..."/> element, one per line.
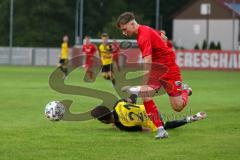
<point x="178" y="107"/>
<point x="177" y="103"/>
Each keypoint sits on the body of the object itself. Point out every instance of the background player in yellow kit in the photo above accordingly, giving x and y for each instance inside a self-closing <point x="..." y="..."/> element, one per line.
<point x="63" y="62"/>
<point x="106" y="57"/>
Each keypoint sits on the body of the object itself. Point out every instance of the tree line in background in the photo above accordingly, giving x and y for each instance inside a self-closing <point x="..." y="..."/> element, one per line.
<point x="39" y="23"/>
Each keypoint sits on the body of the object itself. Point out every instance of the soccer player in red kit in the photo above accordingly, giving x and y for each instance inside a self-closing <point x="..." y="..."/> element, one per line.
<point x="89" y="49"/>
<point x="164" y="37"/>
<point x="115" y="47"/>
<point x="155" y="50"/>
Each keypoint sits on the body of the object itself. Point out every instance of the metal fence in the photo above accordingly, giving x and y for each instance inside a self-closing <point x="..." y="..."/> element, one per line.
<point x="29" y="56"/>
<point x="42" y="56"/>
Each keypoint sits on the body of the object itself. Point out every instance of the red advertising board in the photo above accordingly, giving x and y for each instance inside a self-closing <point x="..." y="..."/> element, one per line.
<point x="214" y="60"/>
<point x="201" y="59"/>
<point x="196" y="59"/>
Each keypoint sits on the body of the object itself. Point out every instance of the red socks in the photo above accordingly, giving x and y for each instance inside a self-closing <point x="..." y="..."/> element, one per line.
<point x="152" y="109"/>
<point x="152" y="112"/>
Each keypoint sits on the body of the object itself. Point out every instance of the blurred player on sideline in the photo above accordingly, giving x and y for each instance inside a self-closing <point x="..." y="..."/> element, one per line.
<point x="165" y="38"/>
<point x="106" y="58"/>
<point x="155" y="50"/>
<point x="89" y="49"/>
<point x="115" y="52"/>
<point x="63" y="62"/>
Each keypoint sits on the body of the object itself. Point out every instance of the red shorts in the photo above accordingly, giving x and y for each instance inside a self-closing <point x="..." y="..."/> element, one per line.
<point x="171" y="81"/>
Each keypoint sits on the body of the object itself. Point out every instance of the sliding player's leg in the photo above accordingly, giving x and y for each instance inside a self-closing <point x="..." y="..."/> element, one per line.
<point x="178" y="123"/>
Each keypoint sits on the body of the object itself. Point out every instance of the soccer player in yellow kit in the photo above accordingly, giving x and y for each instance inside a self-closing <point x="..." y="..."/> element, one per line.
<point x="106" y="57"/>
<point x="64" y="56"/>
<point x="128" y="116"/>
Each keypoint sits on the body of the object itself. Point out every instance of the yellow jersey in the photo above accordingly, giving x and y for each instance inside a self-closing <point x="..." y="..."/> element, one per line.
<point x="131" y="115"/>
<point x="105" y="54"/>
<point x="64" y="50"/>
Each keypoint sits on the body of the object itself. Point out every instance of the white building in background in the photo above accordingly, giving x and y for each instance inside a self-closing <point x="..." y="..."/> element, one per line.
<point x="215" y="20"/>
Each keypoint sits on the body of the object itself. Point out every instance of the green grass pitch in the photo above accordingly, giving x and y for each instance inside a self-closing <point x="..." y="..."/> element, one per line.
<point x="25" y="134"/>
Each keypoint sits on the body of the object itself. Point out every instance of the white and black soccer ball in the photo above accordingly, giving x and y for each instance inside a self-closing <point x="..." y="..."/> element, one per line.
<point x="54" y="111"/>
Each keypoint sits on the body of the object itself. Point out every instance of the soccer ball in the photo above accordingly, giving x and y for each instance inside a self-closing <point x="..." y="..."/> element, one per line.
<point x="54" y="111"/>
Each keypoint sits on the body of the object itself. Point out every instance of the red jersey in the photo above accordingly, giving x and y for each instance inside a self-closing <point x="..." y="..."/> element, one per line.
<point x="89" y="49"/>
<point x="115" y="48"/>
<point x="151" y="43"/>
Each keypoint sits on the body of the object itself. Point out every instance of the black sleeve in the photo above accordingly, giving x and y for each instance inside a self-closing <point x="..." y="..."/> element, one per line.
<point x="129" y="129"/>
<point x="175" y="124"/>
<point x="133" y="98"/>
